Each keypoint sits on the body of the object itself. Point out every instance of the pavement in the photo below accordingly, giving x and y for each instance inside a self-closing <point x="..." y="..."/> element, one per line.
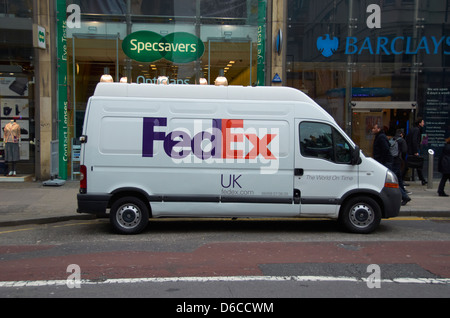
<point x="32" y="202"/>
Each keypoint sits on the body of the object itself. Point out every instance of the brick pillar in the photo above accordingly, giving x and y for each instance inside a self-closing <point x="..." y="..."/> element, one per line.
<point x="278" y="23"/>
<point x="45" y="88"/>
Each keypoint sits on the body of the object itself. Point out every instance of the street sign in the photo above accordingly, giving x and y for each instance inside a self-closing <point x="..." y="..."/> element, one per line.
<point x="276" y="79"/>
<point x="39" y="37"/>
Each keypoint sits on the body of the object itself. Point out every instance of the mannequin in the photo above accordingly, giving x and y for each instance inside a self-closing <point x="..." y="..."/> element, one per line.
<point x="11" y="139"/>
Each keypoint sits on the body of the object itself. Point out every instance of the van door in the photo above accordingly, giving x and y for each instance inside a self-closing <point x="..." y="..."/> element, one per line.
<point x="323" y="167"/>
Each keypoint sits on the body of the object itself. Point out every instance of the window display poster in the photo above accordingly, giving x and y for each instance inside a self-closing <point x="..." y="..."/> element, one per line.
<point x="10" y="107"/>
<point x="14" y="86"/>
<point x="437" y="118"/>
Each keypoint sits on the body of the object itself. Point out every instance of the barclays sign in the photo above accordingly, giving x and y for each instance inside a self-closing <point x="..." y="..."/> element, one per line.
<point x="328" y="45"/>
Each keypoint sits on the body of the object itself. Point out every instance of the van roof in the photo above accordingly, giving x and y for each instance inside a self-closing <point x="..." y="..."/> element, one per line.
<point x="201" y="92"/>
<point x="211" y="92"/>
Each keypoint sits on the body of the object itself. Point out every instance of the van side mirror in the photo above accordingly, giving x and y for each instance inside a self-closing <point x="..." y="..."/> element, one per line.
<point x="356" y="158"/>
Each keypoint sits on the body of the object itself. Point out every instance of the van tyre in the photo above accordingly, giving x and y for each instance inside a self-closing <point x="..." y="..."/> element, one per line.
<point x="129" y="215"/>
<point x="360" y="215"/>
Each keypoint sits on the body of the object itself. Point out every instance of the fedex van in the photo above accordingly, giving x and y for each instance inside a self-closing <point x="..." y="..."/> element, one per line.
<point x="154" y="151"/>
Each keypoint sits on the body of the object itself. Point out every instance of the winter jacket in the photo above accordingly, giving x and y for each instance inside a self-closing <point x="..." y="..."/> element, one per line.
<point x="381" y="147"/>
<point x="444" y="160"/>
<point x="413" y="140"/>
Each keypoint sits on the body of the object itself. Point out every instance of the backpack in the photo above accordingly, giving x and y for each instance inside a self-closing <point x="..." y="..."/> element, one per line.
<point x="393" y="148"/>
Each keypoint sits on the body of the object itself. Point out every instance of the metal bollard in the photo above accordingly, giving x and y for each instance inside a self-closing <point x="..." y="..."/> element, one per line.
<point x="430" y="168"/>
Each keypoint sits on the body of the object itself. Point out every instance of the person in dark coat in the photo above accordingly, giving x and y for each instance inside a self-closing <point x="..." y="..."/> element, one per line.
<point x="413" y="140"/>
<point x="397" y="163"/>
<point x="444" y="168"/>
<point x="381" y="147"/>
<point x="403" y="148"/>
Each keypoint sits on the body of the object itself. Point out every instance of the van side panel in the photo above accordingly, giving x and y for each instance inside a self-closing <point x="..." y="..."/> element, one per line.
<point x="188" y="156"/>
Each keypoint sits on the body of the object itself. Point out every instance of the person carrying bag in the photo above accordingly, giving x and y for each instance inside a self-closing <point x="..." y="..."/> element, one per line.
<point x="414" y="161"/>
<point x="444" y="168"/>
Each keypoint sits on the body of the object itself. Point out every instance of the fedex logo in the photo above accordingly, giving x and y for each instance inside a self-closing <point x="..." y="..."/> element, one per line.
<point x="213" y="141"/>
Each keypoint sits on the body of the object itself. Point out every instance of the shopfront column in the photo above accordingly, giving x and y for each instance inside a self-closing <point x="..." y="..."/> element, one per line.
<point x="44" y="90"/>
<point x="278" y="33"/>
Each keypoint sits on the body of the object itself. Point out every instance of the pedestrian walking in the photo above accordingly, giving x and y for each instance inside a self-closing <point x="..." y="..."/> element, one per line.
<point x="381" y="152"/>
<point x="444" y="168"/>
<point x="398" y="149"/>
<point x="413" y="140"/>
<point x="403" y="147"/>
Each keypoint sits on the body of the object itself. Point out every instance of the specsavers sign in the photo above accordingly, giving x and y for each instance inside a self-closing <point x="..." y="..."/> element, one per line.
<point x="178" y="47"/>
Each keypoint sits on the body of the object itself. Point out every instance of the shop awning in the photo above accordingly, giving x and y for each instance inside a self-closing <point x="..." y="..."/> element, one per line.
<point x="374" y="105"/>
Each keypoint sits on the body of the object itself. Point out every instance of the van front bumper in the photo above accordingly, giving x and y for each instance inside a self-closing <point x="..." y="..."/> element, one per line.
<point x="92" y="203"/>
<point x="392" y="201"/>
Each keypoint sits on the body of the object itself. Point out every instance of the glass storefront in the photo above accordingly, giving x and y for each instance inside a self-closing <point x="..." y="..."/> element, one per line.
<point x="365" y="62"/>
<point x="16" y="78"/>
<point x="369" y="62"/>
<point x="228" y="32"/>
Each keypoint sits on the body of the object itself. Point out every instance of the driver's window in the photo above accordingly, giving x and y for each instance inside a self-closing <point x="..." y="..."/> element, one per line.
<point x="318" y="140"/>
<point x="342" y="150"/>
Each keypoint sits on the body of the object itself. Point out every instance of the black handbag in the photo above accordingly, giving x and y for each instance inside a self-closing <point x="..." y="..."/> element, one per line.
<point x="415" y="162"/>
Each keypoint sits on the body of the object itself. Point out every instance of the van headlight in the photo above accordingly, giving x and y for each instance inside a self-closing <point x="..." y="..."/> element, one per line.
<point x="391" y="180"/>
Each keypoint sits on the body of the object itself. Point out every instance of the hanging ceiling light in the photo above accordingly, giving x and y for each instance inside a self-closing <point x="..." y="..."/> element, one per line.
<point x="106" y="78"/>
<point x="221" y="80"/>
<point x="164" y="80"/>
<point x="203" y="81"/>
<point x="124" y="80"/>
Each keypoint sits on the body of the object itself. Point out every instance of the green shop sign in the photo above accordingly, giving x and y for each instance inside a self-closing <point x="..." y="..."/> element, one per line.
<point x="178" y="47"/>
<point x="63" y="103"/>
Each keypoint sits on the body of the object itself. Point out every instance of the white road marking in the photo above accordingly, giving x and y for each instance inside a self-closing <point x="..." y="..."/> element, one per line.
<point x="43" y="283"/>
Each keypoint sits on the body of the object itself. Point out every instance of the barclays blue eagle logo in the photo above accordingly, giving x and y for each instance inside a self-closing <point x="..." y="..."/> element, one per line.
<point x="327" y="46"/>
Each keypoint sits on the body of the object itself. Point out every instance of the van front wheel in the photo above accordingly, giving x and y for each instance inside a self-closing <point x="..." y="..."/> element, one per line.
<point x="360" y="215"/>
<point x="129" y="215"/>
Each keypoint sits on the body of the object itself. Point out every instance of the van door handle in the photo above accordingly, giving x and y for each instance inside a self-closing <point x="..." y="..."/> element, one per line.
<point x="297" y="196"/>
<point x="298" y="172"/>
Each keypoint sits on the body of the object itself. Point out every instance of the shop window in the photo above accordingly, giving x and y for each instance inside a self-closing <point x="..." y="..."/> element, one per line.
<point x="17" y="8"/>
<point x="224" y="9"/>
<point x="102" y="6"/>
<point x="174" y="8"/>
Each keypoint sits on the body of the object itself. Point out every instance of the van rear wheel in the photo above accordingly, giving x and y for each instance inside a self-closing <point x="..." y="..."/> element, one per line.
<point x="360" y="215"/>
<point x="129" y="215"/>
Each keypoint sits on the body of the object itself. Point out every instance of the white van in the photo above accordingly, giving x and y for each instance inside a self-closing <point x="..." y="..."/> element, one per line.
<point x="206" y="151"/>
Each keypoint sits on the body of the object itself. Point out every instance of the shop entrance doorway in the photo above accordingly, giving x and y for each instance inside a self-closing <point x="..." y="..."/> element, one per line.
<point x="92" y="56"/>
<point x="390" y="116"/>
<point x="235" y="57"/>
